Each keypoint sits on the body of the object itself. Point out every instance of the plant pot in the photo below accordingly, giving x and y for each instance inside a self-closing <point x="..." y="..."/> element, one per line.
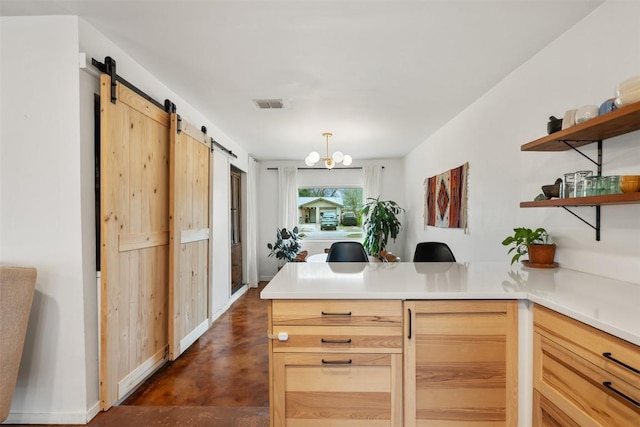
<point x="541" y="254"/>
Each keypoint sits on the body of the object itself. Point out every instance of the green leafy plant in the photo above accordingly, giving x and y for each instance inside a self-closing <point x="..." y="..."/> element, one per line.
<point x="381" y="223"/>
<point x="287" y="244"/>
<point x="523" y="237"/>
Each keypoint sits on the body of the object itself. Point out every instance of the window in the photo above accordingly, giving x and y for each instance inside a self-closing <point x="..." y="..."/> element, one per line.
<point x="330" y="213"/>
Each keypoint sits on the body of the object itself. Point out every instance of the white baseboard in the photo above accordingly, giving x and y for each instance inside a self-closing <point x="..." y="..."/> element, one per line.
<point x="93" y="411"/>
<point x="214" y="316"/>
<point x="47" y="418"/>
<point x="194" y="335"/>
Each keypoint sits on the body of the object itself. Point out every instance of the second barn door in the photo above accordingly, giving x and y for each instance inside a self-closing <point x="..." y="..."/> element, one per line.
<point x="189" y="235"/>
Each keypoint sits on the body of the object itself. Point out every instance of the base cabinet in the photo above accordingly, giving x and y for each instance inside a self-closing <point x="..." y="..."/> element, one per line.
<point x="340" y="364"/>
<point x="546" y="414"/>
<point x="589" y="377"/>
<point x="461" y="363"/>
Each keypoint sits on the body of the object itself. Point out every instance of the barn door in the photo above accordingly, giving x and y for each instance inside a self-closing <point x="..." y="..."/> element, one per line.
<point x="188" y="236"/>
<point x="134" y="233"/>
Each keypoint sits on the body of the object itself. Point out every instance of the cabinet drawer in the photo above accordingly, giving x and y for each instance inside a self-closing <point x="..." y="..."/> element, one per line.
<point x="577" y="387"/>
<point x="352" y="339"/>
<point x="610" y="353"/>
<point x="319" y="389"/>
<point x="337" y="313"/>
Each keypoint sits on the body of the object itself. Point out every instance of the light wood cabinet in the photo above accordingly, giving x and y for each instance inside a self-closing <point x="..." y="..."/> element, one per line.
<point x="461" y="363"/>
<point x="546" y="414"/>
<point x="591" y="378"/>
<point x="340" y="365"/>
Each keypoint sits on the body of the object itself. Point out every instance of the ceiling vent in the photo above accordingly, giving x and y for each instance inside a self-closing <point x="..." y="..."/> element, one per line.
<point x="269" y="103"/>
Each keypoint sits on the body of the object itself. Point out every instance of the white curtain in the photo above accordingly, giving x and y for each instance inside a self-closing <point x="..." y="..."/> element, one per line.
<point x="372" y="182"/>
<point x="287" y="197"/>
<point x="252" y="223"/>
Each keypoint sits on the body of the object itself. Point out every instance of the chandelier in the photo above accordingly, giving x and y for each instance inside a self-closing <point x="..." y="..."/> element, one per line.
<point x="329" y="162"/>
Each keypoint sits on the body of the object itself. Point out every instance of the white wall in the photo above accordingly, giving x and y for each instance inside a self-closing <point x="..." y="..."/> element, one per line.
<point x="581" y="67"/>
<point x="221" y="256"/>
<point x="40" y="212"/>
<point x="392" y="184"/>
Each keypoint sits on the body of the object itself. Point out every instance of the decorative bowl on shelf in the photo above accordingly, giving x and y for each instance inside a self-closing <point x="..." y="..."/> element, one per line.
<point x="607" y="106"/>
<point x="586" y="112"/>
<point x="551" y="190"/>
<point x="628" y="92"/>
<point x="629" y="183"/>
<point x="569" y="119"/>
<point x="554" y="125"/>
<point x="629" y="85"/>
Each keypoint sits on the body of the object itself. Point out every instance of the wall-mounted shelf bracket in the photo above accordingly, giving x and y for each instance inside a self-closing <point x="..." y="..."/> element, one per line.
<point x="596" y="227"/>
<point x="598" y="163"/>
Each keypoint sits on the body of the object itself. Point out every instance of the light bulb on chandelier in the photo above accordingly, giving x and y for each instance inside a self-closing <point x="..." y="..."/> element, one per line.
<point x="329" y="162"/>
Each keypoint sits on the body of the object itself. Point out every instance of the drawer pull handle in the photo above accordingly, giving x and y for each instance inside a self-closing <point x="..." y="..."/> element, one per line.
<point x="608" y="385"/>
<point x="336" y="362"/>
<point x="410" y="326"/>
<point x="324" y="313"/>
<point x="326" y="341"/>
<point x="613" y="359"/>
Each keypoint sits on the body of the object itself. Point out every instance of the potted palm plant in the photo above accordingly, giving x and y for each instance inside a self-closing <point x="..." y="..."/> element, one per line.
<point x="536" y="243"/>
<point x="286" y="246"/>
<point x="381" y="223"/>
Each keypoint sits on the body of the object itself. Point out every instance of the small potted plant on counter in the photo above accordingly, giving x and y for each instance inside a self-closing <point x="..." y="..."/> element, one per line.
<point x="286" y="246"/>
<point x="536" y="243"/>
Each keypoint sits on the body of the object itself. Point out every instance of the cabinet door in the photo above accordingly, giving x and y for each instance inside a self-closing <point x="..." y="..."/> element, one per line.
<point x="546" y="414"/>
<point x="337" y="390"/>
<point x="461" y="362"/>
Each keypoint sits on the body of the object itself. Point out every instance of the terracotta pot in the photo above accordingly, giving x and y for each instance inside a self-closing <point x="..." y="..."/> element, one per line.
<point x="541" y="254"/>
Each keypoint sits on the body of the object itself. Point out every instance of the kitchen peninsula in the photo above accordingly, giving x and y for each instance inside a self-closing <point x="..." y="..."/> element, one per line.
<point x="391" y="344"/>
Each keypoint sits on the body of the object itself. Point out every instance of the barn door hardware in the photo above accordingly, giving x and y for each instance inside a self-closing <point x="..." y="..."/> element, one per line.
<point x="169" y="106"/>
<point x="109" y="67"/>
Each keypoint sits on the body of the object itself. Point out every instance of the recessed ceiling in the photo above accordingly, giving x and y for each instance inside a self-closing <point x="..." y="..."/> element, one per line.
<point x="382" y="76"/>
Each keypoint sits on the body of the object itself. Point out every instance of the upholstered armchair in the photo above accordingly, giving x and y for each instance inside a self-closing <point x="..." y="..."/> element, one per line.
<point x="17" y="285"/>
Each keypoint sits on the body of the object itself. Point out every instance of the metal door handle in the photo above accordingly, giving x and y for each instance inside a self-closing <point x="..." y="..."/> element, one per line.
<point x="336" y="362"/>
<point x="614" y="360"/>
<point x="608" y="385"/>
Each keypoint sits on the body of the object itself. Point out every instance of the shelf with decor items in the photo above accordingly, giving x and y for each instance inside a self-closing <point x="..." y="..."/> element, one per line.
<point x="619" y="122"/>
<point x="606" y="199"/>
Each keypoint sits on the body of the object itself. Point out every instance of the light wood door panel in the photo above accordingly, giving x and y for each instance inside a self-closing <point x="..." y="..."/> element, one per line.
<point x="189" y="234"/>
<point x="461" y="363"/>
<point x="576" y="387"/>
<point x="546" y="414"/>
<point x="134" y="227"/>
<point x="331" y="390"/>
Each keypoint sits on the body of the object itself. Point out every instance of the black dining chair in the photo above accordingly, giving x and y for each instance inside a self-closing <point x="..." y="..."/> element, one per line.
<point x="433" y="252"/>
<point x="347" y="252"/>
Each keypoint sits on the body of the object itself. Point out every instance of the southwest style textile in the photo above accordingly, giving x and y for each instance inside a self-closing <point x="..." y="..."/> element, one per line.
<point x="446" y="199"/>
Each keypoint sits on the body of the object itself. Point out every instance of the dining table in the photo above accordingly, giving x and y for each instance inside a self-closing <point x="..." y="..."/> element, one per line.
<point x="323" y="258"/>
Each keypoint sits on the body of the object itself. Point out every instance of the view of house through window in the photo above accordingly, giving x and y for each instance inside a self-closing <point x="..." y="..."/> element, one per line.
<point x="330" y="213"/>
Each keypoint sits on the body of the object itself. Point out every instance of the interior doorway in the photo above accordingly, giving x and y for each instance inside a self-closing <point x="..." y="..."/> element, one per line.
<point x="236" y="230"/>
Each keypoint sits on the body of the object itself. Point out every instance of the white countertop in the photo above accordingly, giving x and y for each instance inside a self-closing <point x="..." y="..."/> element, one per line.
<point x="610" y="305"/>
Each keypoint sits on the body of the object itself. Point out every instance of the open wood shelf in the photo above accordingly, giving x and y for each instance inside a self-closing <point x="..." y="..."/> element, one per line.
<point x="623" y="120"/>
<point x="609" y="199"/>
<point x="619" y="122"/>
